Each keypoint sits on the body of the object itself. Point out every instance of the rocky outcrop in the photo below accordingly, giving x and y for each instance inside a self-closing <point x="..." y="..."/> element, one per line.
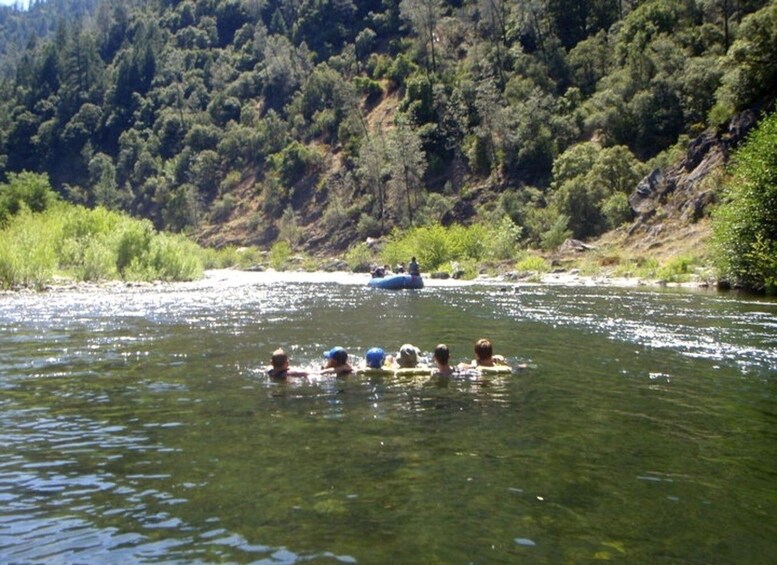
<point x="574" y="245"/>
<point x="682" y="191"/>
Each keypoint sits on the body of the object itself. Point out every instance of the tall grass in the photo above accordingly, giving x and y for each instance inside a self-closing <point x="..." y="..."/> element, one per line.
<point x="90" y="245"/>
<point x="533" y="263"/>
<point x="681" y="268"/>
<point x="27" y="256"/>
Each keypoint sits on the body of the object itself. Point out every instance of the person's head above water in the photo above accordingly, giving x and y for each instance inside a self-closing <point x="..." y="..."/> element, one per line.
<point x="483" y="349"/>
<point x="375" y="357"/>
<point x="442" y="354"/>
<point x="279" y="359"/>
<point x="337" y="355"/>
<point x="408" y="355"/>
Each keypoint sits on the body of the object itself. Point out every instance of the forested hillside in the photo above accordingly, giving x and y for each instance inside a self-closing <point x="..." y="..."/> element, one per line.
<point x="323" y="122"/>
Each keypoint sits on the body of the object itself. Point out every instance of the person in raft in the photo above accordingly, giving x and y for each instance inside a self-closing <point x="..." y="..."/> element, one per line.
<point x="413" y="268"/>
<point x="441" y="358"/>
<point x="484" y="356"/>
<point x="400" y="268"/>
<point x="375" y="358"/>
<point x="407" y="358"/>
<point x="279" y="366"/>
<point x="336" y="362"/>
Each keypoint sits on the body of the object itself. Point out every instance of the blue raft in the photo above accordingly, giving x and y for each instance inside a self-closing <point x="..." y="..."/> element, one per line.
<point x="397" y="282"/>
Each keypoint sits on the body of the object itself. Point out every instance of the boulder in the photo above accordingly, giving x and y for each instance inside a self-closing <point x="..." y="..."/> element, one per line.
<point x="440" y="275"/>
<point x="574" y="245"/>
<point x="698" y="149"/>
<point x="335" y="265"/>
<point x="694" y="209"/>
<point x="741" y="124"/>
<point x="643" y="199"/>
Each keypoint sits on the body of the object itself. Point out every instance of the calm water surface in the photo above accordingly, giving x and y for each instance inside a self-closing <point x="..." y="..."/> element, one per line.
<point x="136" y="426"/>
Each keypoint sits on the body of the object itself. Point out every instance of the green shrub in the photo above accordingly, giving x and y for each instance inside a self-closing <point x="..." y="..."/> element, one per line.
<point x="371" y="89"/>
<point x="98" y="262"/>
<point x="250" y="256"/>
<point x="616" y="209"/>
<point x="87" y="247"/>
<point x="222" y="208"/>
<point x="644" y="268"/>
<point x="25" y="190"/>
<point x="556" y="234"/>
<point x="435" y="245"/>
<point x="222" y="258"/>
<point x="280" y="253"/>
<point x="471" y="241"/>
<point x="378" y="65"/>
<point x="8" y="264"/>
<point x="504" y="240"/>
<point x="431" y="245"/>
<point x="28" y="257"/>
<point x="91" y="245"/>
<point x="359" y="255"/>
<point x="368" y="226"/>
<point x="745" y="225"/>
<point x="397" y="249"/>
<point x="401" y="68"/>
<point x="134" y="243"/>
<point x="467" y="269"/>
<point x="533" y="263"/>
<point x="678" y="269"/>
<point x="174" y="258"/>
<point x="294" y="162"/>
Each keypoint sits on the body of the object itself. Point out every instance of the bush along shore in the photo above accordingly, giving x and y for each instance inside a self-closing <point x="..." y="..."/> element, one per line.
<point x="42" y="238"/>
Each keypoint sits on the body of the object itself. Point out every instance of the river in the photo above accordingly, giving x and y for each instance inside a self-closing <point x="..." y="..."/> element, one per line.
<point x="137" y="425"/>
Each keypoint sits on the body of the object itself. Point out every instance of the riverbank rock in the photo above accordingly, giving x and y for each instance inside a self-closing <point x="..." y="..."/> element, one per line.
<point x="337" y="265"/>
<point x="682" y="191"/>
<point x="574" y="245"/>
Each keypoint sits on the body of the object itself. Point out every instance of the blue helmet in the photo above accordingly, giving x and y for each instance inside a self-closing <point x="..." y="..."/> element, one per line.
<point x="375" y="358"/>
<point x="338" y="353"/>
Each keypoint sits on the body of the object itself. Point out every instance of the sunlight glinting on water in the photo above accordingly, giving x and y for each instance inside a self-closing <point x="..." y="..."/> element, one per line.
<point x="139" y="424"/>
<point x="680" y="329"/>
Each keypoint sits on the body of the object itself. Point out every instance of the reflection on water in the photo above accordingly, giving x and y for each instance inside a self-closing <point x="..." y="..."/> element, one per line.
<point x="136" y="424"/>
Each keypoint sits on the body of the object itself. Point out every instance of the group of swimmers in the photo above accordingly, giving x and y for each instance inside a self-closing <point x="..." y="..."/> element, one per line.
<point x="407" y="357"/>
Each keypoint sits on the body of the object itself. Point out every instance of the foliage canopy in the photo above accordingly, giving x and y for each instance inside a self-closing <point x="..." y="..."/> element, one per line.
<point x="396" y="108"/>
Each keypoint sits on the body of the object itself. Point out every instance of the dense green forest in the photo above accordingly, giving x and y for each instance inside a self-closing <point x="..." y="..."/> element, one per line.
<point x="322" y="122"/>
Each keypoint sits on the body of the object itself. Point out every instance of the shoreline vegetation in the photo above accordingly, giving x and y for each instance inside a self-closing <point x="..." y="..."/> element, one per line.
<point x="43" y="239"/>
<point x="70" y="246"/>
<point x="131" y="253"/>
<point x="45" y="242"/>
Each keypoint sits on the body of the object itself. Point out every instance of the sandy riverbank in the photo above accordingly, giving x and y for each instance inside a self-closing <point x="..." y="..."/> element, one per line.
<point x="228" y="278"/>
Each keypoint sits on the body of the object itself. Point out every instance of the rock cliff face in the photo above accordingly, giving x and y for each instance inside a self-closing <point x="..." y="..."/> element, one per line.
<point x="683" y="192"/>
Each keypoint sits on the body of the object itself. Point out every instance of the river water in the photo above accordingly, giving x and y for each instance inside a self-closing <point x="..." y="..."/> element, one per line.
<point x="137" y="426"/>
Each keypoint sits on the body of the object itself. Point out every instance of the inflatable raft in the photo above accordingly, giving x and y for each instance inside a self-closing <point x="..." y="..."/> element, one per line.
<point x="395" y="372"/>
<point x="397" y="281"/>
<point x="495" y="370"/>
<point x="424" y="370"/>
